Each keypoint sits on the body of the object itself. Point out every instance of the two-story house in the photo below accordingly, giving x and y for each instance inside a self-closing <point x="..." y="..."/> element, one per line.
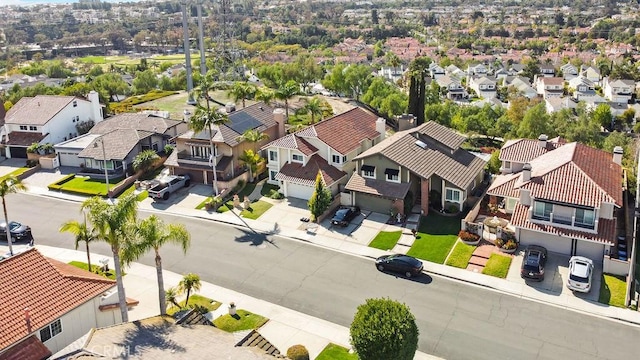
<point x="591" y="73"/>
<point x="47" y="119"/>
<point x="569" y="71"/>
<point x="618" y="90"/>
<point x="436" y="71"/>
<point x="522" y="86"/>
<point x="392" y="74"/>
<point x="547" y="70"/>
<point x="423" y="165"/>
<point x="452" y="87"/>
<point x="326" y="147"/>
<point x="483" y="86"/>
<point x="548" y="87"/>
<point x="564" y="198"/>
<point x="581" y="87"/>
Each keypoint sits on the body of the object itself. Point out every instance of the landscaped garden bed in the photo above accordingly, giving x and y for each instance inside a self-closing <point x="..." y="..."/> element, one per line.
<point x="497" y="265"/>
<point x="96" y="269"/>
<point x="613" y="290"/>
<point x="198" y="301"/>
<point x="385" y="240"/>
<point x="460" y="255"/>
<point x="243" y="320"/>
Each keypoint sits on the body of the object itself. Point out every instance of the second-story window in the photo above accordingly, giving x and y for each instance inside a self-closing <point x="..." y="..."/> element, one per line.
<point x="33" y="128"/>
<point x="273" y="155"/>
<point x="298" y="158"/>
<point x="542" y="210"/>
<point x="75" y="103"/>
<point x="392" y="175"/>
<point x="23" y="127"/>
<point x="368" y="171"/>
<point x="336" y="159"/>
<point x="585" y="218"/>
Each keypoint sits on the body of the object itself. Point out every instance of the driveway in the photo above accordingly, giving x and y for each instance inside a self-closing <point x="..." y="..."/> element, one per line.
<point x="555" y="278"/>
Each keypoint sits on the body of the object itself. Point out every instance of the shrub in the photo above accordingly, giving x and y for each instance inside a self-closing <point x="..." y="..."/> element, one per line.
<point x="467" y="236"/>
<point x="32" y="163"/>
<point x="499" y="243"/>
<point x="510" y="245"/>
<point x="298" y="352"/>
<point x="58" y="184"/>
<point x="168" y="149"/>
<point x="276" y="195"/>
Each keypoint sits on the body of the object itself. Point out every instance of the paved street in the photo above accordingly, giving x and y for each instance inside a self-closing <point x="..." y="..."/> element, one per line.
<point x="456" y="320"/>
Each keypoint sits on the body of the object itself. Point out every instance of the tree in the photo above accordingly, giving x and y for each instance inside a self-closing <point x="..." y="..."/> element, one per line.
<point x="110" y="85"/>
<point x="602" y="116"/>
<point x="144" y="160"/>
<point x="82" y="232"/>
<point x="494" y="163"/>
<point x="171" y="297"/>
<point x="357" y="79"/>
<point x="285" y="92"/>
<point x="9" y="185"/>
<point x="265" y="95"/>
<point x="314" y="107"/>
<point x="617" y="138"/>
<point x="113" y="224"/>
<point x="320" y="199"/>
<point x="252" y="159"/>
<point x="418" y="70"/>
<point x="241" y="91"/>
<point x="152" y="234"/>
<point x="190" y="282"/>
<point x="145" y="81"/>
<point x="384" y="329"/>
<point x="206" y="118"/>
<point x="254" y="136"/>
<point x="535" y="122"/>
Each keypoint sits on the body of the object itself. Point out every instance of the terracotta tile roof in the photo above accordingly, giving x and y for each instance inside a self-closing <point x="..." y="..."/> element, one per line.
<point x="504" y="185"/>
<point x="29" y="349"/>
<point x="524" y="150"/>
<point x="37" y="110"/>
<point x="136" y="121"/>
<point x="117" y="144"/>
<point x="47" y="287"/>
<point x="24" y="138"/>
<point x="306" y="175"/>
<point x="606" y="227"/>
<point x="344" y="132"/>
<point x="292" y="141"/>
<point x="376" y="187"/>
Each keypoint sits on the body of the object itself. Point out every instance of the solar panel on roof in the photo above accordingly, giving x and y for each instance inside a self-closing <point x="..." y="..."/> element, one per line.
<point x="241" y="122"/>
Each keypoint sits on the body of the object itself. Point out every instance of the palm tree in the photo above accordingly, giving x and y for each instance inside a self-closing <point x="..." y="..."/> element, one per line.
<point x="241" y="91"/>
<point x="9" y="185"/>
<point x="82" y="232"/>
<point x="314" y="106"/>
<point x="252" y="160"/>
<point x="112" y="224"/>
<point x="285" y="92"/>
<point x="206" y="118"/>
<point x="171" y="297"/>
<point x="254" y="136"/>
<point x="189" y="282"/>
<point x="145" y="160"/>
<point x="152" y="233"/>
<point x="265" y="95"/>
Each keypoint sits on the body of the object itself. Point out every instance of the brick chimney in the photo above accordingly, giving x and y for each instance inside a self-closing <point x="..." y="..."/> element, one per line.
<point x="618" y="151"/>
<point x="280" y="118"/>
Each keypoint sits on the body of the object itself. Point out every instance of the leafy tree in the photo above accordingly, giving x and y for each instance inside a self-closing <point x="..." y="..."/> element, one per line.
<point x="82" y="232"/>
<point x="144" y="160"/>
<point x="357" y="79"/>
<point x="307" y="70"/>
<point x="531" y="69"/>
<point x="190" y="282"/>
<point x="320" y="199"/>
<point x="9" y="185"/>
<point x="144" y="82"/>
<point x="535" y="122"/>
<point x="252" y="160"/>
<point x="384" y="329"/>
<point x="285" y="92"/>
<point x="602" y="116"/>
<point x="265" y="95"/>
<point x="418" y="71"/>
<point x="95" y="71"/>
<point x="617" y="138"/>
<point x="335" y="80"/>
<point x="7" y="105"/>
<point x="110" y="85"/>
<point x="494" y="163"/>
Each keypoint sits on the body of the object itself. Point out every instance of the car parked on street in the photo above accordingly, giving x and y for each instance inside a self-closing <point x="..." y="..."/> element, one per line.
<point x="580" y="274"/>
<point x="535" y="258"/>
<point x="344" y="215"/>
<point x="19" y="232"/>
<point x="404" y="264"/>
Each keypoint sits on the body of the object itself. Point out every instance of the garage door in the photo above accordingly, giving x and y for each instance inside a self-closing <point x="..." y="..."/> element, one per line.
<point x="69" y="159"/>
<point x="552" y="243"/>
<point x="593" y="251"/>
<point x="373" y="203"/>
<point x="18" y="152"/>
<point x="299" y="191"/>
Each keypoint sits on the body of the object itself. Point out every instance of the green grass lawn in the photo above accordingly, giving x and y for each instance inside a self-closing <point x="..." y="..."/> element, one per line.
<point x="86" y="185"/>
<point x="92" y="60"/>
<point x="194" y="300"/>
<point x="498" y="266"/>
<point x="613" y="290"/>
<point x="267" y="189"/>
<point x="175" y="104"/>
<point x="244" y="320"/>
<point x="385" y="240"/>
<point x="460" y="255"/>
<point x="96" y="269"/>
<point x="15" y="172"/>
<point x="141" y="196"/>
<point x="336" y="352"/>
<point x="256" y="209"/>
<point x="436" y="236"/>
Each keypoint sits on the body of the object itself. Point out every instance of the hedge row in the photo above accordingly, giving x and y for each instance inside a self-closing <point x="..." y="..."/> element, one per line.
<point x="129" y="102"/>
<point x="58" y="184"/>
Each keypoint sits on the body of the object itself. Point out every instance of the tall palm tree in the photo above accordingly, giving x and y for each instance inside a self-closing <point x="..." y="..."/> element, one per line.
<point x="82" y="232"/>
<point x="265" y="95"/>
<point x="205" y="118"/>
<point x="190" y="282"/>
<point x="241" y="91"/>
<point x="252" y="160"/>
<point x="9" y="185"/>
<point x="112" y="224"/>
<point x="254" y="136"/>
<point x="152" y="234"/>
<point x="314" y="107"/>
<point x="285" y="92"/>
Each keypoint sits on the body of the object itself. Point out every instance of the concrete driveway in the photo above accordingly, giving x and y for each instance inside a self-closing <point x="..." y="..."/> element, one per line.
<point x="184" y="198"/>
<point x="556" y="273"/>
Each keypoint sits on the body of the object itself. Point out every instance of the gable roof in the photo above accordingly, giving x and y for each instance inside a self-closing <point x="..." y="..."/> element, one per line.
<point x="30" y="348"/>
<point x="117" y="144"/>
<point x="292" y="141"/>
<point x="37" y="110"/>
<point x="24" y="138"/>
<point x="525" y="150"/>
<point x="49" y="289"/>
<point x="136" y="121"/>
<point x="306" y="175"/>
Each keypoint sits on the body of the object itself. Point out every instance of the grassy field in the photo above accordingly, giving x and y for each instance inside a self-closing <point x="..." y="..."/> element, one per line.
<point x="498" y="266"/>
<point x="198" y="300"/>
<point x="385" y="240"/>
<point x="336" y="352"/>
<point x="460" y="255"/>
<point x="244" y="320"/>
<point x="613" y="290"/>
<point x="436" y="236"/>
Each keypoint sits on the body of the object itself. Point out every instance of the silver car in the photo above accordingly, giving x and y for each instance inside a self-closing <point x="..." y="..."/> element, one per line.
<point x="580" y="274"/>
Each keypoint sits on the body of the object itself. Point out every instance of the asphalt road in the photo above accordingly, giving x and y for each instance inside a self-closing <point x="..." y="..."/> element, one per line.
<point x="456" y="320"/>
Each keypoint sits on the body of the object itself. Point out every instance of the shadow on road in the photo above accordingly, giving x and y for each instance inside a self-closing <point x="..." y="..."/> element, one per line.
<point x="422" y="278"/>
<point x="256" y="238"/>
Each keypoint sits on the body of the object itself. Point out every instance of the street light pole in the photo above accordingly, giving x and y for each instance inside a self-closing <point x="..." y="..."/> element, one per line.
<point x="106" y="173"/>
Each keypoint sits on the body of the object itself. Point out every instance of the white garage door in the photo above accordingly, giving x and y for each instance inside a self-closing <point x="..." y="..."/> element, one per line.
<point x="68" y="158"/>
<point x="299" y="191"/>
<point x="552" y="243"/>
<point x="593" y="251"/>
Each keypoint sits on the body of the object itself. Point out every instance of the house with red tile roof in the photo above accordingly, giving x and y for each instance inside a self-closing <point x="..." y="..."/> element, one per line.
<point x="327" y="147"/>
<point x="47" y="119"/>
<point x="565" y="197"/>
<point x="48" y="304"/>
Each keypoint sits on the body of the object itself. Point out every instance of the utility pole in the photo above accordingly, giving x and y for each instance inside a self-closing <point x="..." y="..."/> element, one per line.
<point x="187" y="53"/>
<point x="203" y="60"/>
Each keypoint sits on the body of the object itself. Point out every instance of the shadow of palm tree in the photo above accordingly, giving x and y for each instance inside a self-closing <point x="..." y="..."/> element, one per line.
<point x="149" y="335"/>
<point x="256" y="238"/>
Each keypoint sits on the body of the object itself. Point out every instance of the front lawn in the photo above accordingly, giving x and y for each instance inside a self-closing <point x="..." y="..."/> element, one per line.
<point x="436" y="236"/>
<point x="15" y="173"/>
<point x="196" y="300"/>
<point x="243" y="320"/>
<point x="268" y="189"/>
<point x="497" y="265"/>
<point x="111" y="274"/>
<point x="613" y="290"/>
<point x="460" y="255"/>
<point x="336" y="352"/>
<point x="86" y="186"/>
<point x="141" y="195"/>
<point x="256" y="209"/>
<point x="385" y="240"/>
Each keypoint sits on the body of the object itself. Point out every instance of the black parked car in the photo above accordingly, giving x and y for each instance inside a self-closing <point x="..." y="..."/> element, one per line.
<point x="19" y="232"/>
<point x="535" y="257"/>
<point x="344" y="215"/>
<point x="404" y="264"/>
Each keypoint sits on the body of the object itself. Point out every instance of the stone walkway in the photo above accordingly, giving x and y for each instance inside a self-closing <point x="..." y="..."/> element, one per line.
<point x="481" y="255"/>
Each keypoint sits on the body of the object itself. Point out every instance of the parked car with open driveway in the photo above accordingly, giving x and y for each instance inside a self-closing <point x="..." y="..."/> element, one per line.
<point x="580" y="274"/>
<point x="404" y="264"/>
<point x="535" y="258"/>
<point x="344" y="215"/>
<point x="19" y="232"/>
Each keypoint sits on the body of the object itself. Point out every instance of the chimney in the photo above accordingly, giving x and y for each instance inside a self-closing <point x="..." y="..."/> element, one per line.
<point x="617" y="155"/>
<point x="381" y="127"/>
<point x="405" y="121"/>
<point x="279" y="117"/>
<point x="230" y="107"/>
<point x="96" y="109"/>
<point x="526" y="172"/>
<point x="542" y="141"/>
<point x="187" y="115"/>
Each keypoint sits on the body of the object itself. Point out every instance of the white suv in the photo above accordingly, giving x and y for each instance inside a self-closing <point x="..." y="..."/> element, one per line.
<point x="580" y="274"/>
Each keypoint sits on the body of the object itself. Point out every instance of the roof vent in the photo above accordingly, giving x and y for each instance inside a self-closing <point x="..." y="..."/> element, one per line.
<point x="421" y="144"/>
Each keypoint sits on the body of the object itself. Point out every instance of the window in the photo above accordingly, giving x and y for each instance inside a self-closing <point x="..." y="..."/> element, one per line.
<point x="392" y="175"/>
<point x="344" y="159"/>
<point x="368" y="171"/>
<point x="23" y="127"/>
<point x="51" y="330"/>
<point x="33" y="128"/>
<point x="585" y="218"/>
<point x="336" y="159"/>
<point x="297" y="158"/>
<point x="75" y="103"/>
<point x="202" y="152"/>
<point x="507" y="164"/>
<point x="542" y="210"/>
<point x="452" y="195"/>
<point x="272" y="175"/>
<point x="273" y="155"/>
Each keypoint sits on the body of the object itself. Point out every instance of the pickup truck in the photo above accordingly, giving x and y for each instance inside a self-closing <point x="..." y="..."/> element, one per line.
<point x="168" y="185"/>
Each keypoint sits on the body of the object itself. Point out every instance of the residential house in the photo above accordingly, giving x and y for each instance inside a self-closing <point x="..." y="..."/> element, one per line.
<point x="453" y="88"/>
<point x="515" y="153"/>
<point x="592" y="102"/>
<point x="47" y="119"/>
<point x="547" y="70"/>
<point x="484" y="87"/>
<point x="618" y="90"/>
<point x="392" y="74"/>
<point x="436" y="71"/>
<point x="49" y="304"/>
<point x="569" y="71"/>
<point x="478" y="70"/>
<point x="565" y="198"/>
<point x="548" y="87"/>
<point x="455" y="72"/>
<point x="581" y="87"/>
<point x="522" y="86"/>
<point x="326" y="147"/>
<point x="516" y="69"/>
<point x="423" y="165"/>
<point x="617" y="108"/>
<point x="193" y="150"/>
<point x="591" y="73"/>
<point x="555" y="104"/>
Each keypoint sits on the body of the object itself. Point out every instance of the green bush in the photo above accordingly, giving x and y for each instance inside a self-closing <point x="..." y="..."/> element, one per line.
<point x="467" y="236"/>
<point x="298" y="352"/>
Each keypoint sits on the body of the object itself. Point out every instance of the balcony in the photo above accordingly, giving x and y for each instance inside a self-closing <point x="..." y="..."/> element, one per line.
<point x="563" y="221"/>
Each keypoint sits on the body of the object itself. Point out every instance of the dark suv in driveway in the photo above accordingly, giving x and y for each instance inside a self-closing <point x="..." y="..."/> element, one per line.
<point x="535" y="257"/>
<point x="19" y="232"/>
